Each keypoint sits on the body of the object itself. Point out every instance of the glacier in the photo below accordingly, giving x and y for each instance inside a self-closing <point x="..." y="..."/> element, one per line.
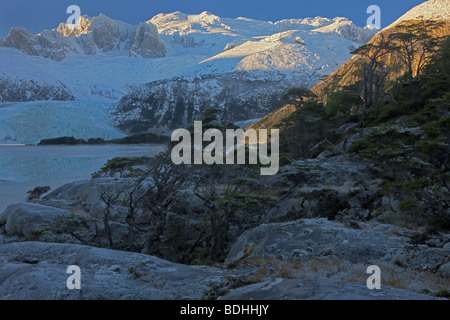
<point x="30" y="122"/>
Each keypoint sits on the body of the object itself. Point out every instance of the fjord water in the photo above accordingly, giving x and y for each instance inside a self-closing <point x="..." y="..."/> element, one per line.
<point x="23" y="168"/>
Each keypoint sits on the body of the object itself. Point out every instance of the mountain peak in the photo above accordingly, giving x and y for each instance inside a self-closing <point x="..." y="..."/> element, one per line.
<point x="206" y="13"/>
<point x="206" y="17"/>
<point x="87" y="24"/>
<point x="348" y="30"/>
<point x="66" y="31"/>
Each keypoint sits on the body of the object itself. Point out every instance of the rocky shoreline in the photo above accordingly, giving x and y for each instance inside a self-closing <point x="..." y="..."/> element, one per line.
<point x="309" y="258"/>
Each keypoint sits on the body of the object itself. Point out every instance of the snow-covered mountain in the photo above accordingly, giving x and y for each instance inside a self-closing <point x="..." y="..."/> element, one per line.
<point x="95" y="35"/>
<point x="183" y="24"/>
<point x="256" y="63"/>
<point x="110" y="61"/>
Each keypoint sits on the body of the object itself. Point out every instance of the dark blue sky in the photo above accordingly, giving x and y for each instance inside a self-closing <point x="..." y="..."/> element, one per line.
<point x="37" y="15"/>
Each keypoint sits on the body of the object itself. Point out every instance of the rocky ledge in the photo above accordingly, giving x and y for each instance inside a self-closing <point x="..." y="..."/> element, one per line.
<point x="38" y="271"/>
<point x="304" y="259"/>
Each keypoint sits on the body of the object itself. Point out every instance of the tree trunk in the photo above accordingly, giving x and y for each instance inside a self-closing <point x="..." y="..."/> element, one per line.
<point x="155" y="238"/>
<point x="106" y="225"/>
<point x="131" y="222"/>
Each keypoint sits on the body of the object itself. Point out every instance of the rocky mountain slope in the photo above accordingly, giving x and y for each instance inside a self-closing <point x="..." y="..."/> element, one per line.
<point x="345" y="75"/>
<point x="428" y="11"/>
<point x="162" y="106"/>
<point x="20" y="90"/>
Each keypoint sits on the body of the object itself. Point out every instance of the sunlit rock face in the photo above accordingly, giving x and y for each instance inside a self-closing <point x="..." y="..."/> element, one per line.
<point x="147" y="43"/>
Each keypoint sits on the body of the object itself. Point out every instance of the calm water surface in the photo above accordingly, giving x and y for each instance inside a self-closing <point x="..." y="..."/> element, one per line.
<point x="23" y="168"/>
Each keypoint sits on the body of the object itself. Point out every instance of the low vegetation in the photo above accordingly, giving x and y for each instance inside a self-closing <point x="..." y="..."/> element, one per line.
<point x="143" y="138"/>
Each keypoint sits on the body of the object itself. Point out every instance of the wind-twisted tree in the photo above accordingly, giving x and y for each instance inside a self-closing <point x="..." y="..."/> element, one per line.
<point x="166" y="180"/>
<point x="372" y="71"/>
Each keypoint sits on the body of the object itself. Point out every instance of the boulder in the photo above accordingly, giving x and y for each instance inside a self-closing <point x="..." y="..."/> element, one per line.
<point x="365" y="243"/>
<point x="84" y="194"/>
<point x="37" y="271"/>
<point x="21" y="219"/>
<point x="444" y="270"/>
